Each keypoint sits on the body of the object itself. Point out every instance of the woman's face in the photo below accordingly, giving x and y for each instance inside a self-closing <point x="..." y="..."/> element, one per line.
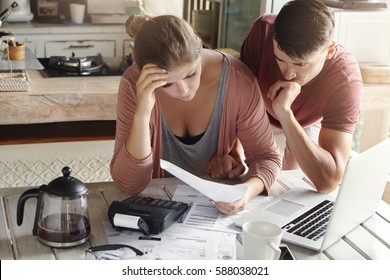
<point x="183" y="81"/>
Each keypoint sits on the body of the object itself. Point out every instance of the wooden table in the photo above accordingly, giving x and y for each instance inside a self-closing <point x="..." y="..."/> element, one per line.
<point x="371" y="240"/>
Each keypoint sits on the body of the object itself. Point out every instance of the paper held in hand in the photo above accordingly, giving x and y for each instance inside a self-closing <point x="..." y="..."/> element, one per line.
<point x="213" y="190"/>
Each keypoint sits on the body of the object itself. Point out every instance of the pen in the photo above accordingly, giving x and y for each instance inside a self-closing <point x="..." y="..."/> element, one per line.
<point x="167" y="192"/>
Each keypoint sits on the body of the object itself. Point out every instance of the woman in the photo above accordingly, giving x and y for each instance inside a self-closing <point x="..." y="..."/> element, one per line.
<point x="188" y="105"/>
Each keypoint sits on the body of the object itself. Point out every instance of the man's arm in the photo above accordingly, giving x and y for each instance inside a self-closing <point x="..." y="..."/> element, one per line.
<point x="324" y="163"/>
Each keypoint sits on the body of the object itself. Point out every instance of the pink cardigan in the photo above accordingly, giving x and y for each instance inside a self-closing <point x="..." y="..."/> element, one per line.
<point x="244" y="116"/>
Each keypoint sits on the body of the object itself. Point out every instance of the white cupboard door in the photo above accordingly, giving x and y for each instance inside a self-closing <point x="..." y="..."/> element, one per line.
<point x="80" y="48"/>
<point x="366" y="35"/>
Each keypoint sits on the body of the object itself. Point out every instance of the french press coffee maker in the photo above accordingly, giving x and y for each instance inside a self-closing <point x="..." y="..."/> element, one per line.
<point x="61" y="217"/>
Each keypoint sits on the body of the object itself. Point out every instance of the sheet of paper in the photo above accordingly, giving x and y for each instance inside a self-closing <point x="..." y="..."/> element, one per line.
<point x="176" y="242"/>
<point x="203" y="215"/>
<point x="213" y="190"/>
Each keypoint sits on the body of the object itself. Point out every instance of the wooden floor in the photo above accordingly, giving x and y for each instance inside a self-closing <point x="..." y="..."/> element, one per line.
<point x="57" y="132"/>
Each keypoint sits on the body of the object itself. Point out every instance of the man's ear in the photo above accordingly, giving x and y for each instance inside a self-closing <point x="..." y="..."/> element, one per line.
<point x="331" y="50"/>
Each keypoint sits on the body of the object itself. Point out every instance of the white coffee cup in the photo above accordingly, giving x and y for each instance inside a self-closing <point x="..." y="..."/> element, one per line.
<point x="261" y="240"/>
<point x="77" y="12"/>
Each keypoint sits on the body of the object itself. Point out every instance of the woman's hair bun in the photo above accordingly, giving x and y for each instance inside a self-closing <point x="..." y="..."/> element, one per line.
<point x="135" y="22"/>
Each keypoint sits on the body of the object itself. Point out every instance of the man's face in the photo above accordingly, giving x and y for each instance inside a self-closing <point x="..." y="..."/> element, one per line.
<point x="304" y="70"/>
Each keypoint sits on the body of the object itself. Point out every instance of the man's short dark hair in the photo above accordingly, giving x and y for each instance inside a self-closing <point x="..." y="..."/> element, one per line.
<point x="303" y="27"/>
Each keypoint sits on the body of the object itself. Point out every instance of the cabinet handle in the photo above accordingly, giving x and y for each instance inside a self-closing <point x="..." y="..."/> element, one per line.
<point x="80" y="46"/>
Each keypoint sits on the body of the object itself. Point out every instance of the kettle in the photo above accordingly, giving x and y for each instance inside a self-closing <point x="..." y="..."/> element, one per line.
<point x="61" y="217"/>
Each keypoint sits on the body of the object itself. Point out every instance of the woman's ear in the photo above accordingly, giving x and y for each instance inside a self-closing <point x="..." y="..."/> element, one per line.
<point x="331" y="50"/>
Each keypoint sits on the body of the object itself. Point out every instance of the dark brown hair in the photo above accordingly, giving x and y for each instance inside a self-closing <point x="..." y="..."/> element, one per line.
<point x="167" y="40"/>
<point x="303" y="27"/>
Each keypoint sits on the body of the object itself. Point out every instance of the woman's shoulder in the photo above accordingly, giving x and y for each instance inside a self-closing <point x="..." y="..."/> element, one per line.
<point x="237" y="70"/>
<point x="241" y="82"/>
<point x="131" y="73"/>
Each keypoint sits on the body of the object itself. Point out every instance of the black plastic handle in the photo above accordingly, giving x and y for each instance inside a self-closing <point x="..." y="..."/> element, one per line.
<point x="21" y="202"/>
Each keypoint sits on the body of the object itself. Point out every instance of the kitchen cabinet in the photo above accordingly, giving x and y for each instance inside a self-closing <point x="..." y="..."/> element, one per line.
<point x="80" y="48"/>
<point x="32" y="46"/>
<point x="47" y="40"/>
<point x="365" y="33"/>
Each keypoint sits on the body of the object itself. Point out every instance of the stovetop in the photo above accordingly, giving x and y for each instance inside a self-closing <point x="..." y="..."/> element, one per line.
<point x="61" y="66"/>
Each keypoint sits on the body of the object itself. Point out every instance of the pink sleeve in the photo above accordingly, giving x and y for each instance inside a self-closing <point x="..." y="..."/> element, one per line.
<point x="129" y="174"/>
<point x="245" y="117"/>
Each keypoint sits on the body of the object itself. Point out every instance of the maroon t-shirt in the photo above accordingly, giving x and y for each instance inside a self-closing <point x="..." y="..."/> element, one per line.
<point x="333" y="96"/>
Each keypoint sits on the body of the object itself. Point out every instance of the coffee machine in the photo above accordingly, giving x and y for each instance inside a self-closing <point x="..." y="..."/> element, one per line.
<point x="22" y="13"/>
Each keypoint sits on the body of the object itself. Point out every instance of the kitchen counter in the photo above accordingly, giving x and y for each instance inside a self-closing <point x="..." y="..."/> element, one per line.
<point x="61" y="99"/>
<point x="30" y="62"/>
<point x="67" y="99"/>
<point x="94" y="98"/>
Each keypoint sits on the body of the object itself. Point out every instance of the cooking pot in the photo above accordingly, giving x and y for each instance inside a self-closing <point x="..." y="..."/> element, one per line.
<point x="61" y="217"/>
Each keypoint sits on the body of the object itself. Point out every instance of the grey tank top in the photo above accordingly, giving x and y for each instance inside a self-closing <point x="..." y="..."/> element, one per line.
<point x="195" y="157"/>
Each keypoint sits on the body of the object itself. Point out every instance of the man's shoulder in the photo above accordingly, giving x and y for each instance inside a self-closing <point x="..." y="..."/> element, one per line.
<point x="346" y="62"/>
<point x="268" y="18"/>
<point x="265" y="20"/>
<point x="343" y="54"/>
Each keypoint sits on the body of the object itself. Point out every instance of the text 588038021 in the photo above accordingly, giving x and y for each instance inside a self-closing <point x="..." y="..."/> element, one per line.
<point x="241" y="270"/>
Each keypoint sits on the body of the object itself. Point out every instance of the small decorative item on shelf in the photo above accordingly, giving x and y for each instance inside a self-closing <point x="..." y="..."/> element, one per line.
<point x="16" y="51"/>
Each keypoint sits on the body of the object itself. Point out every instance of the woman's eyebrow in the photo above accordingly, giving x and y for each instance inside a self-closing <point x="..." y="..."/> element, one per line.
<point x="192" y="73"/>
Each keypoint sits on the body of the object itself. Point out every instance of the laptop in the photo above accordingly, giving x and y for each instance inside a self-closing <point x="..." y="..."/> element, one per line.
<point x="357" y="199"/>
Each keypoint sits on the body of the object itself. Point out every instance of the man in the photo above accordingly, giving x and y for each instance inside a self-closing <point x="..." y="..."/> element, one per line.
<point x="311" y="86"/>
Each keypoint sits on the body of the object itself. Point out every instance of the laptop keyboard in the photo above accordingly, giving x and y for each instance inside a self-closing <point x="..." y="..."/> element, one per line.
<point x="312" y="224"/>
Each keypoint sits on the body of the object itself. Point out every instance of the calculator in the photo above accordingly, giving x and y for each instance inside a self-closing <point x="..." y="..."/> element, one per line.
<point x="150" y="215"/>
